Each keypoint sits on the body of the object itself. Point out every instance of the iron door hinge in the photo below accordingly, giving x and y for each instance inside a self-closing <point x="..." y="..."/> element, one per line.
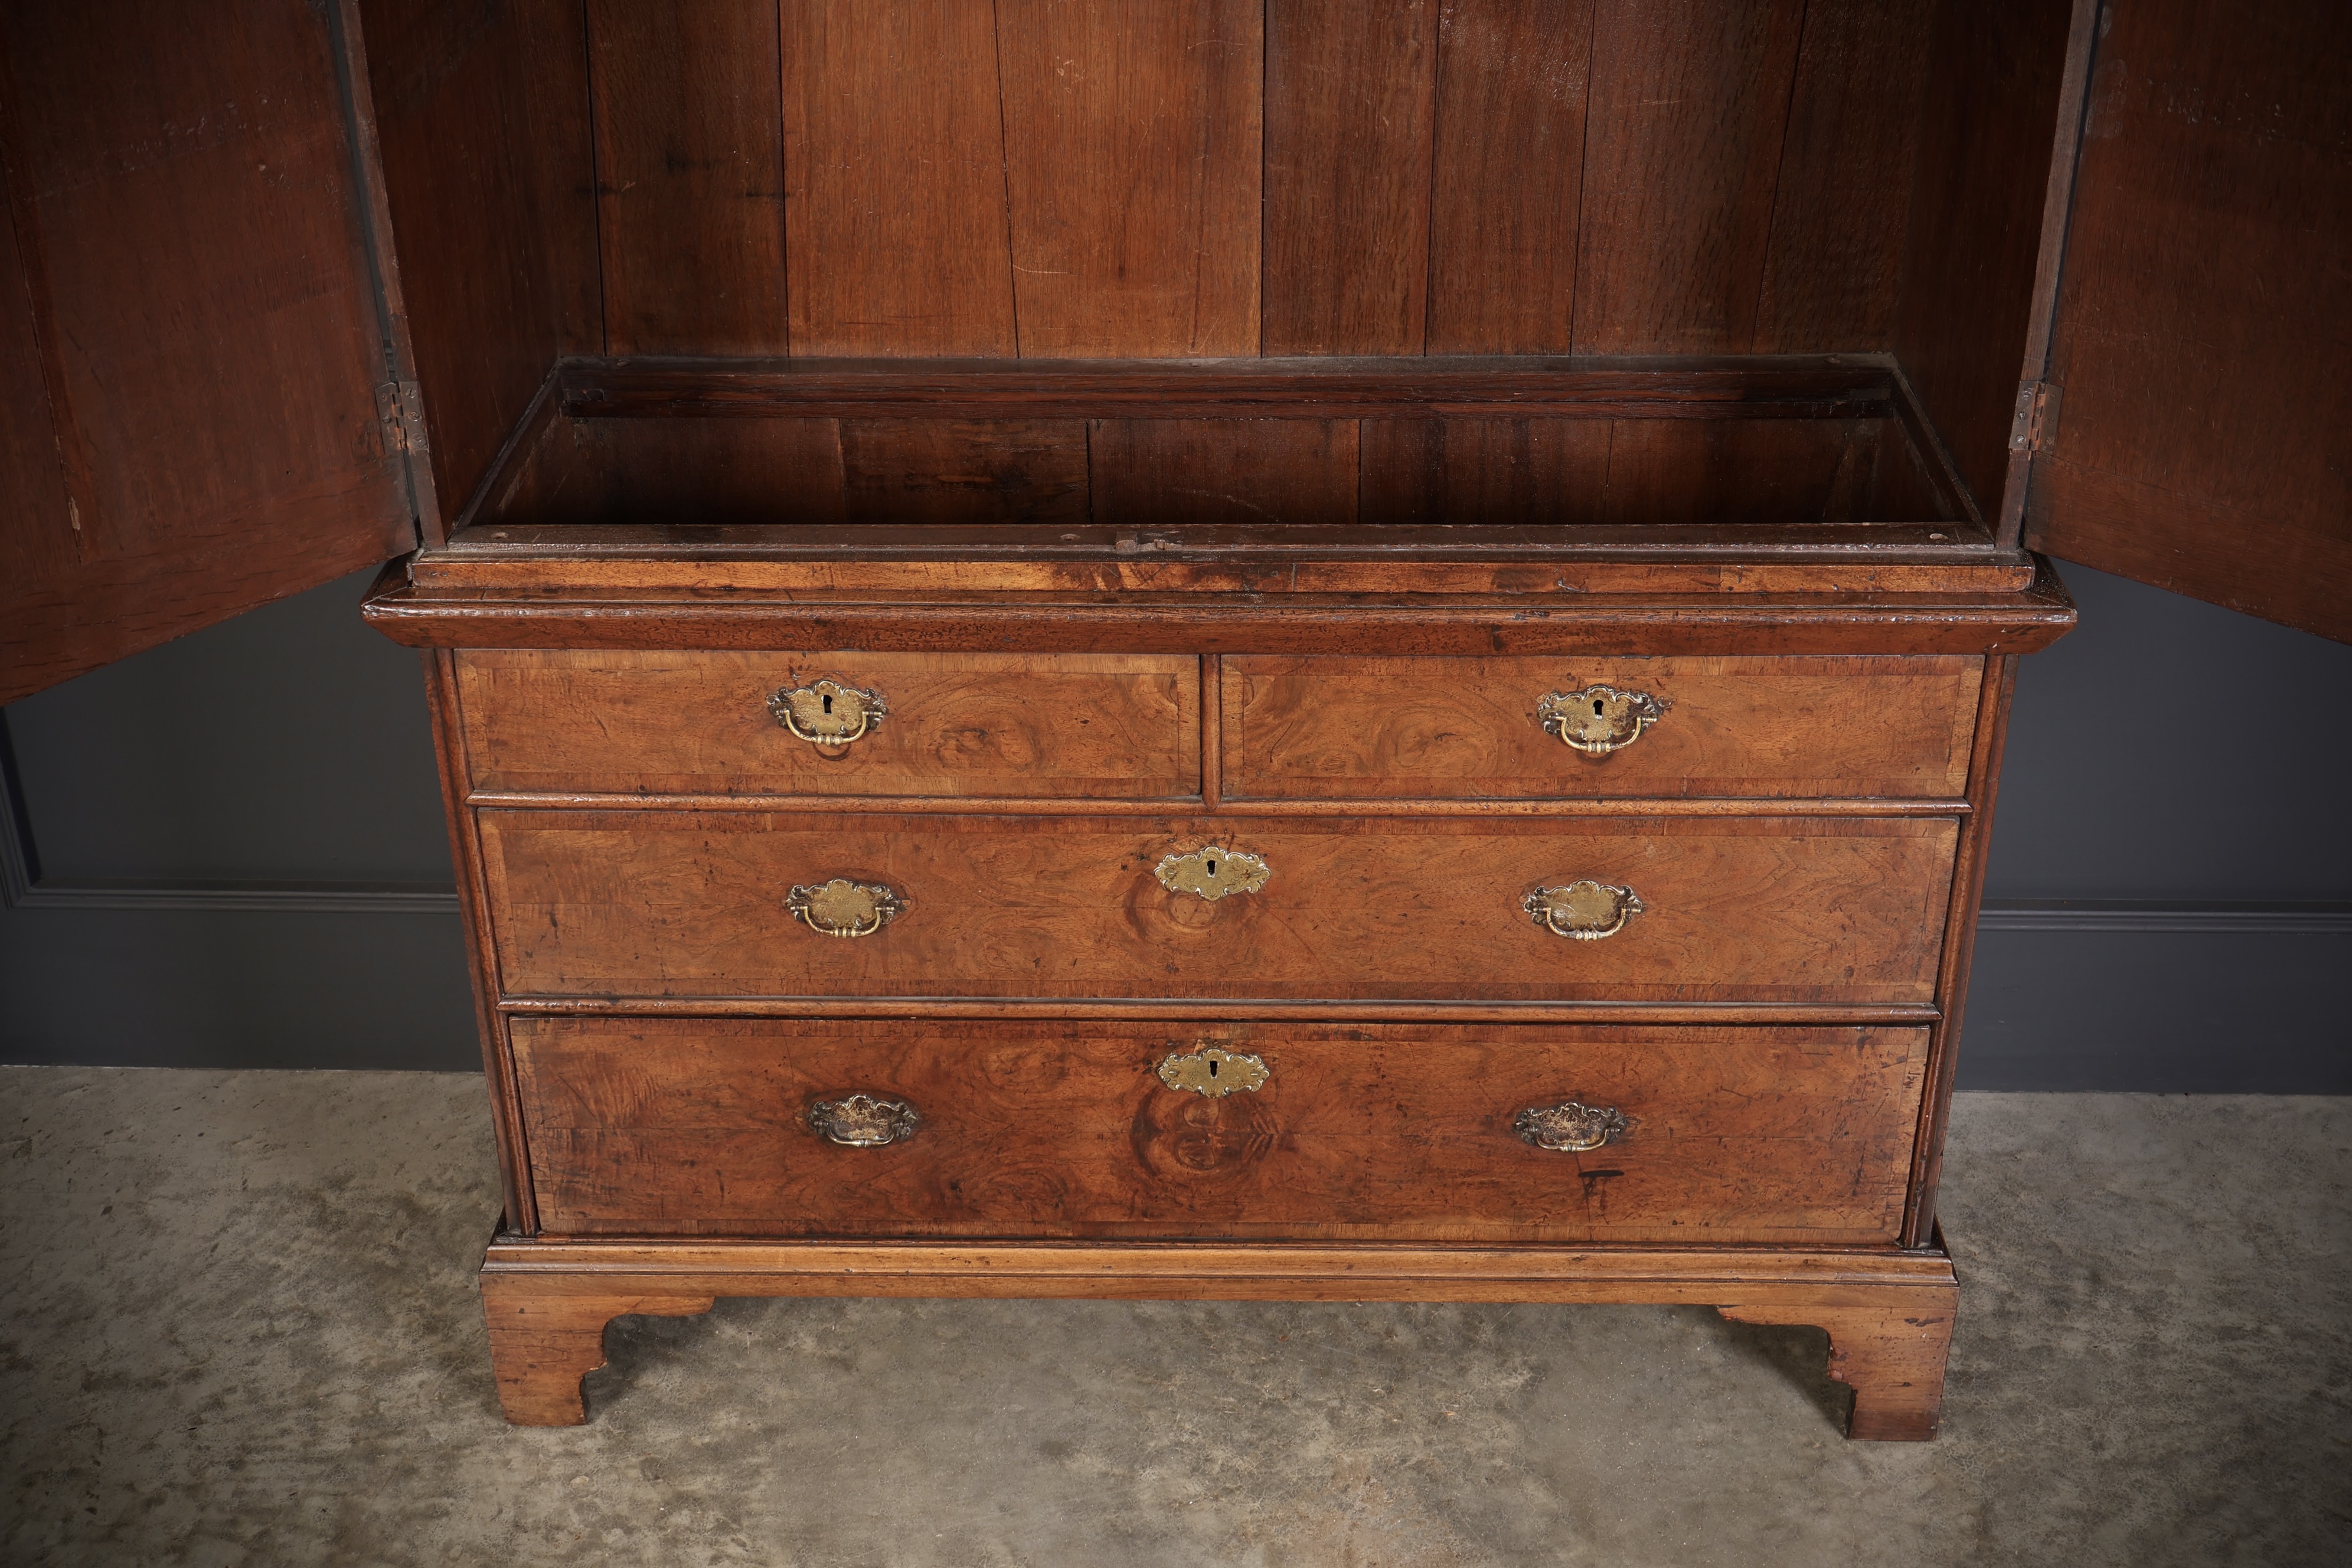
<point x="2033" y="425"/>
<point x="400" y="412"/>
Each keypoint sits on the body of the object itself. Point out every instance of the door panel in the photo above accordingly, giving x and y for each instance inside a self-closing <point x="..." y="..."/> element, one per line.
<point x="191" y="307"/>
<point x="2203" y="340"/>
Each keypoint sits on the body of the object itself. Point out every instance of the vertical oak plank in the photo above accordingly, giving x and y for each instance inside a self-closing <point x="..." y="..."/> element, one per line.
<point x="1133" y="161"/>
<point x="893" y="161"/>
<point x="1689" y="98"/>
<point x="965" y="470"/>
<point x="1834" y="265"/>
<point x="1351" y="94"/>
<point x="689" y="169"/>
<point x="1533" y="471"/>
<point x="1158" y="473"/>
<point x="1509" y="174"/>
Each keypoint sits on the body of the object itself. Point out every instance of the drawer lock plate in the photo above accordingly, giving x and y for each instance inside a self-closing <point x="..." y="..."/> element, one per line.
<point x="1214" y="1071"/>
<point x="1212" y="873"/>
<point x="827" y="713"/>
<point x="1568" y="1127"/>
<point x="864" y="1121"/>
<point x="1599" y="720"/>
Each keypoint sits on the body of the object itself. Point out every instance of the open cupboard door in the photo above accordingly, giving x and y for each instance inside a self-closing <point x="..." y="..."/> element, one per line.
<point x="201" y="349"/>
<point x="2195" y="430"/>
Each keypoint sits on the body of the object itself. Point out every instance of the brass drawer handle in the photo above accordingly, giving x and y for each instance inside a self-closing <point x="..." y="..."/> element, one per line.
<point x="1214" y="1071"/>
<point x="844" y="908"/>
<point x="864" y="1121"/>
<point x="1583" y="910"/>
<point x="1568" y="1127"/>
<point x="827" y="713"/>
<point x="1212" y="872"/>
<point x="1599" y="720"/>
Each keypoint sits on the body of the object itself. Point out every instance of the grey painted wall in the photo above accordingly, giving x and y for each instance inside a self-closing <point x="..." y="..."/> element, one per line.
<point x="2169" y="754"/>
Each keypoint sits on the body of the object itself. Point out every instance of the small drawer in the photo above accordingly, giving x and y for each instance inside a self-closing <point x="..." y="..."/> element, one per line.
<point x="1376" y="729"/>
<point x="1420" y="1132"/>
<point x="740" y="903"/>
<point x="566" y="721"/>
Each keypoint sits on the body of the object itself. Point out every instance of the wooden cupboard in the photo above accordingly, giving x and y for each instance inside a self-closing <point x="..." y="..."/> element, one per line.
<point x="1455" y="562"/>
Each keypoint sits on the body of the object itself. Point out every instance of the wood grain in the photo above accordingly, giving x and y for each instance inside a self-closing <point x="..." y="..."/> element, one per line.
<point x="1541" y="472"/>
<point x="894" y="157"/>
<point x="958" y="472"/>
<point x="1509" y="174"/>
<point x="1688" y="103"/>
<point x="676" y="904"/>
<point x="958" y="725"/>
<point x="1438" y="728"/>
<point x="1842" y="205"/>
<point x="482" y="120"/>
<point x="689" y="175"/>
<point x="193" y="285"/>
<point x="1166" y="473"/>
<point x="2203" y="338"/>
<point x="1393" y="1133"/>
<point x="1350" y="90"/>
<point x="673" y="473"/>
<point x="1132" y="162"/>
<point x="1753" y="471"/>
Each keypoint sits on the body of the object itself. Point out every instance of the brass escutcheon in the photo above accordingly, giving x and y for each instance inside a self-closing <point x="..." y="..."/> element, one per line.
<point x="1212" y="872"/>
<point x="1214" y="1071"/>
<point x="1599" y="720"/>
<point x="827" y="713"/>
<point x="864" y="1121"/>
<point x="1583" y="910"/>
<point x="1569" y="1126"/>
<point x="844" y="908"/>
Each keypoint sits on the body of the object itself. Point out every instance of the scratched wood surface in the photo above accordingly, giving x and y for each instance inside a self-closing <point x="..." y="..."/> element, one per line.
<point x="2203" y="338"/>
<point x="686" y="904"/>
<point x="1456" y="728"/>
<point x="696" y="1127"/>
<point x="193" y="335"/>
<point x="957" y="724"/>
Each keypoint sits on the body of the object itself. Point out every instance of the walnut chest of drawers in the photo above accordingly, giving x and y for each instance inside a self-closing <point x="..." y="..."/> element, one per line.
<point x="1193" y="916"/>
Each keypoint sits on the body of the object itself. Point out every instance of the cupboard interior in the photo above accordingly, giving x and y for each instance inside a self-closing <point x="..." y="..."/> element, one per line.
<point x="738" y="201"/>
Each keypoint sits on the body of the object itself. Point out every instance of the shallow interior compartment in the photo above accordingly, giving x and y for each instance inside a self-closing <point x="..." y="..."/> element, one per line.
<point x="1328" y="452"/>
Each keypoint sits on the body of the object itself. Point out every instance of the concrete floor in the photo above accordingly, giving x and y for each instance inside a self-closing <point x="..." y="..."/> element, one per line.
<point x="239" y="1327"/>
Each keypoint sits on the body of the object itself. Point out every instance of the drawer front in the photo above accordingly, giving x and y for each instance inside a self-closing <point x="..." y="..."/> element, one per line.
<point x="1397" y="1131"/>
<point x="1733" y="909"/>
<point x="1336" y="729"/>
<point x="951" y="724"/>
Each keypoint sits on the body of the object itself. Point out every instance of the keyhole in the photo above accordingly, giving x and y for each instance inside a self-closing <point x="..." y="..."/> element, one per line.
<point x="828" y="705"/>
<point x="1213" y="1067"/>
<point x="1596" y="704"/>
<point x="1212" y="871"/>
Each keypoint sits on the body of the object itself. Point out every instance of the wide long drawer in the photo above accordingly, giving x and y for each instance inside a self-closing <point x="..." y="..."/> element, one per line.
<point x="841" y="723"/>
<point x="1778" y="728"/>
<point x="746" y="904"/>
<point x="1060" y="1129"/>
